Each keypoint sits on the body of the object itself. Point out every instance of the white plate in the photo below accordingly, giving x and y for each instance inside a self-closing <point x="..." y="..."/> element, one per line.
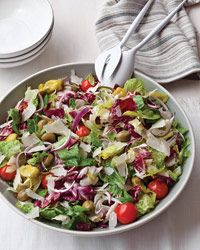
<point x="26" y="60"/>
<point x="23" y="25"/>
<point x="28" y="54"/>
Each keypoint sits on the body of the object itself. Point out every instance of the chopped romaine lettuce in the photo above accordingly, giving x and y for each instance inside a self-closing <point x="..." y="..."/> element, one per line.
<point x="10" y="148"/>
<point x="32" y="124"/>
<point x="91" y="79"/>
<point x="25" y="207"/>
<point x="37" y="158"/>
<point x="158" y="158"/>
<point x="139" y="101"/>
<point x="135" y="85"/>
<point x="146" y="203"/>
<point x="72" y="153"/>
<point x="15" y="116"/>
<point x="112" y="150"/>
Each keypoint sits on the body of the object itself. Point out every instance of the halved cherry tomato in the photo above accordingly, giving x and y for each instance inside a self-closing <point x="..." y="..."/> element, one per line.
<point x="6" y="175"/>
<point x="127" y="105"/>
<point x="126" y="213"/>
<point x="45" y="180"/>
<point x="85" y="85"/>
<point x="82" y="131"/>
<point x="159" y="187"/>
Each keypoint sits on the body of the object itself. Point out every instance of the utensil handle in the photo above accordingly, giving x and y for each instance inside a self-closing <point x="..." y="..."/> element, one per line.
<point x="135" y="23"/>
<point x="158" y="28"/>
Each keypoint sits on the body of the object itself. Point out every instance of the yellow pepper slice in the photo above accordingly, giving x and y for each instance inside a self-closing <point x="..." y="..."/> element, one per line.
<point x="11" y="137"/>
<point x="120" y="92"/>
<point x="51" y="86"/>
<point x="29" y="171"/>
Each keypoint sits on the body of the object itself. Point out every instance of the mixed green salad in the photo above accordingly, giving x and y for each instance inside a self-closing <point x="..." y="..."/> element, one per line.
<point x="87" y="156"/>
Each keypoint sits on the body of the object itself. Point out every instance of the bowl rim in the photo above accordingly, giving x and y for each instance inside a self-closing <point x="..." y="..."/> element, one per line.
<point x="124" y="228"/>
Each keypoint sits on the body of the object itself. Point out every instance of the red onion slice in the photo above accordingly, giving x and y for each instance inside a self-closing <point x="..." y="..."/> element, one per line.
<point x="63" y="145"/>
<point x="78" y="117"/>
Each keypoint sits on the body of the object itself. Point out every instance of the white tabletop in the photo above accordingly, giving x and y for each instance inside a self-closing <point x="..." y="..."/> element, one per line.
<point x="177" y="228"/>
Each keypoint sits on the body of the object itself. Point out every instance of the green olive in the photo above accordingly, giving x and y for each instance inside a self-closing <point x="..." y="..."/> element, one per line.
<point x="50" y="137"/>
<point x="41" y="123"/>
<point x="48" y="160"/>
<point x="123" y="136"/>
<point x="22" y="196"/>
<point x="89" y="205"/>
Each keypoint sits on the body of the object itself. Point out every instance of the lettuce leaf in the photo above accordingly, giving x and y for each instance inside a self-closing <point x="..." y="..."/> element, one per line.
<point x="184" y="153"/>
<point x="158" y="158"/>
<point x="37" y="158"/>
<point x="112" y="150"/>
<point x="25" y="207"/>
<point x="10" y="148"/>
<point x="138" y="99"/>
<point x="72" y="153"/>
<point x="32" y="124"/>
<point x="15" y="116"/>
<point x="91" y="79"/>
<point x="149" y="114"/>
<point x="72" y="103"/>
<point x="46" y="100"/>
<point x="135" y="85"/>
<point x="146" y="203"/>
<point x="180" y="128"/>
<point x="115" y="182"/>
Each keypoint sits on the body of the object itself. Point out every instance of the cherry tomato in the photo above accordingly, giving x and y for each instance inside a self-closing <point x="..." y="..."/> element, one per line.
<point x="128" y="105"/>
<point x="6" y="175"/>
<point x="85" y="85"/>
<point x="82" y="131"/>
<point x="158" y="187"/>
<point x="45" y="180"/>
<point x="126" y="213"/>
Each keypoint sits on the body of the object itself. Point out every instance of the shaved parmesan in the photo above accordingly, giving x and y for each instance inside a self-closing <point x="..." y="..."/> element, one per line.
<point x="34" y="213"/>
<point x="33" y="195"/>
<point x="61" y="217"/>
<point x="86" y="147"/>
<point x="17" y="179"/>
<point x="29" y="139"/>
<point x="74" y="78"/>
<point x="30" y="94"/>
<point x="112" y="223"/>
<point x="59" y="171"/>
<point x="159" y="144"/>
<point x="28" y="112"/>
<point x="97" y="152"/>
<point x="57" y="127"/>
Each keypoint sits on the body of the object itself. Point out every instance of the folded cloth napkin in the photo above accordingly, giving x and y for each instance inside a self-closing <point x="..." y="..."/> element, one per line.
<point x="169" y="56"/>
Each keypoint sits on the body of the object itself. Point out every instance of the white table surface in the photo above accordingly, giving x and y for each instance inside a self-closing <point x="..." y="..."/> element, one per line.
<point x="177" y="228"/>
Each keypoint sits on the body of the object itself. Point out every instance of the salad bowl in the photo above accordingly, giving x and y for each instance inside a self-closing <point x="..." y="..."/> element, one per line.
<point x="83" y="69"/>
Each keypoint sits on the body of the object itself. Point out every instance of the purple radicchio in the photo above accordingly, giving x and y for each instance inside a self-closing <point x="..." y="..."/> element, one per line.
<point x="54" y="112"/>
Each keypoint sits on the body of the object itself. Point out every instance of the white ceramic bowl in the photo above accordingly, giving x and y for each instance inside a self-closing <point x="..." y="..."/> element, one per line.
<point x="30" y="53"/>
<point x="82" y="69"/>
<point x="25" y="58"/>
<point x="24" y="24"/>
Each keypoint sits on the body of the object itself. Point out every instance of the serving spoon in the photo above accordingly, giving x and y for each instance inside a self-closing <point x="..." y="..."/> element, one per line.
<point x="114" y="66"/>
<point x="111" y="57"/>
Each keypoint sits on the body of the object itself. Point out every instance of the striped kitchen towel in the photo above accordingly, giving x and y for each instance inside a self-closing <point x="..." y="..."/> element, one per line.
<point x="169" y="56"/>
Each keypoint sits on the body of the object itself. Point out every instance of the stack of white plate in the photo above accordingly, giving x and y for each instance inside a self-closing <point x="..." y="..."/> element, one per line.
<point x="25" y="30"/>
